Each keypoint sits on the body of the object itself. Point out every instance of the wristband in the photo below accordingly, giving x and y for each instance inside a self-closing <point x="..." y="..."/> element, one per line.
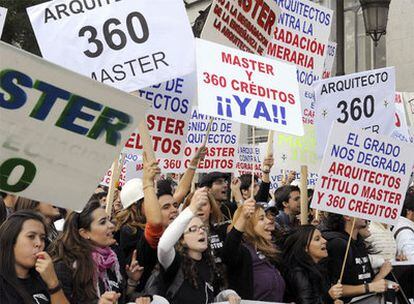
<point x="366" y="288"/>
<point x="55" y="289"/>
<point x="192" y="167"/>
<point x="266" y="171"/>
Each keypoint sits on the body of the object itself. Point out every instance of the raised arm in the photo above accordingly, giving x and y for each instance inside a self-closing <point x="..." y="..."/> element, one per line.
<point x="166" y="251"/>
<point x="184" y="186"/>
<point x="151" y="206"/>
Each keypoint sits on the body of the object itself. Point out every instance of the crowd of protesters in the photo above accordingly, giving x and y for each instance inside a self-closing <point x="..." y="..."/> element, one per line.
<point x="166" y="243"/>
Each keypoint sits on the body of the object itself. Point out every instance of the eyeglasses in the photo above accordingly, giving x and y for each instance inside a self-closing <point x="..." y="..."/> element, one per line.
<point x="196" y="228"/>
<point x="220" y="182"/>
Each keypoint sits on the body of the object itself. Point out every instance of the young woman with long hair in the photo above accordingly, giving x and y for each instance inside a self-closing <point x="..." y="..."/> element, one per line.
<point x="50" y="212"/>
<point x="183" y="253"/>
<point x="86" y="265"/>
<point x="251" y="258"/>
<point x="305" y="252"/>
<point x="26" y="270"/>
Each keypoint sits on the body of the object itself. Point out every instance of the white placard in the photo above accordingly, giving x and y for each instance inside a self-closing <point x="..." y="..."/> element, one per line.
<point x="241" y="25"/>
<point x="59" y="131"/>
<point x="167" y="119"/>
<point x="3" y="13"/>
<point x="221" y="143"/>
<point x="329" y="60"/>
<point x="364" y="99"/>
<point x="302" y="36"/>
<point x="363" y="175"/>
<point x="127" y="44"/>
<point x="401" y="130"/>
<point x="247" y="88"/>
<point x="408" y="98"/>
<point x="249" y="158"/>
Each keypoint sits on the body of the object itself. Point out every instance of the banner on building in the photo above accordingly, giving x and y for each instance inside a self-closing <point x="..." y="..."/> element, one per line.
<point x="247" y="88"/>
<point x="60" y="131"/>
<point x="364" y="99"/>
<point x="127" y="44"/>
<point x="363" y="175"/>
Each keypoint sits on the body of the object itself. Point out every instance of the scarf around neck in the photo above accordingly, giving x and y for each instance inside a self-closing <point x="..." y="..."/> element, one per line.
<point x="104" y="259"/>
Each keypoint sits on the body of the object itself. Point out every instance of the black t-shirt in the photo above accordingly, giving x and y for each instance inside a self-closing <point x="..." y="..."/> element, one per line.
<point x="187" y="293"/>
<point x="36" y="289"/>
<point x="358" y="268"/>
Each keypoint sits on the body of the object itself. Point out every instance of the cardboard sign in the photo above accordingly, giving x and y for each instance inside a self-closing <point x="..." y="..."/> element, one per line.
<point x="221" y="143"/>
<point x="126" y="44"/>
<point x="301" y="37"/>
<point x="248" y="157"/>
<point x="240" y="24"/>
<point x="167" y="119"/>
<point x="363" y="175"/>
<point x="401" y="130"/>
<point x="59" y="130"/>
<point x="365" y="100"/>
<point x="329" y="59"/>
<point x="3" y="13"/>
<point x="247" y="88"/>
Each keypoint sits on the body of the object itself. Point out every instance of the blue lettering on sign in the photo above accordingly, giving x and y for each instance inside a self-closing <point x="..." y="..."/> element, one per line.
<point x="262" y="111"/>
<point x="108" y="123"/>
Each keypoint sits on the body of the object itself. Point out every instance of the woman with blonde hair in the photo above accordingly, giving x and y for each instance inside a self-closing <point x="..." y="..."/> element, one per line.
<point x="251" y="258"/>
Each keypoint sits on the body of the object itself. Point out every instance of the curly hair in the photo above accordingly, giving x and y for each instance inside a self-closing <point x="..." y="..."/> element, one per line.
<point x="131" y="217"/>
<point x="189" y="265"/>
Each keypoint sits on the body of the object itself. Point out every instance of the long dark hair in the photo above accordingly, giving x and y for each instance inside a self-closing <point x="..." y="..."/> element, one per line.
<point x="189" y="264"/>
<point x="9" y="231"/>
<point x="295" y="251"/>
<point x="75" y="252"/>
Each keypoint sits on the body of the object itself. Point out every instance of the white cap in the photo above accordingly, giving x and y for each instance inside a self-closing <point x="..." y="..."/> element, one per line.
<point x="131" y="192"/>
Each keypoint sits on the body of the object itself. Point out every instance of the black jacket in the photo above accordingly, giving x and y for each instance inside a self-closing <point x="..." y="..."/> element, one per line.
<point x="239" y="265"/>
<point x="306" y="289"/>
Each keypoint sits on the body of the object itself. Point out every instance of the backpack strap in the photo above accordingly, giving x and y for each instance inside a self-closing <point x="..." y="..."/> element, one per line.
<point x="176" y="284"/>
<point x="401" y="229"/>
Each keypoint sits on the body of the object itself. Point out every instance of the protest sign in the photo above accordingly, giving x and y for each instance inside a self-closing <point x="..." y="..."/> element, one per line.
<point x="401" y="130"/>
<point x="221" y="143"/>
<point x="247" y="88"/>
<point x="240" y="24"/>
<point x="289" y="159"/>
<point x="329" y="59"/>
<point x="291" y="152"/>
<point x="3" y="13"/>
<point x="248" y="157"/>
<point x="301" y="37"/>
<point x="363" y="175"/>
<point x="59" y="130"/>
<point x="364" y="99"/>
<point x="126" y="44"/>
<point x="167" y="119"/>
<point x="132" y="167"/>
<point x="408" y="99"/>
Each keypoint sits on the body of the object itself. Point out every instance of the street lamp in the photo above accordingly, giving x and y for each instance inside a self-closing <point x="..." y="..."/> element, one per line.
<point x="375" y="17"/>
